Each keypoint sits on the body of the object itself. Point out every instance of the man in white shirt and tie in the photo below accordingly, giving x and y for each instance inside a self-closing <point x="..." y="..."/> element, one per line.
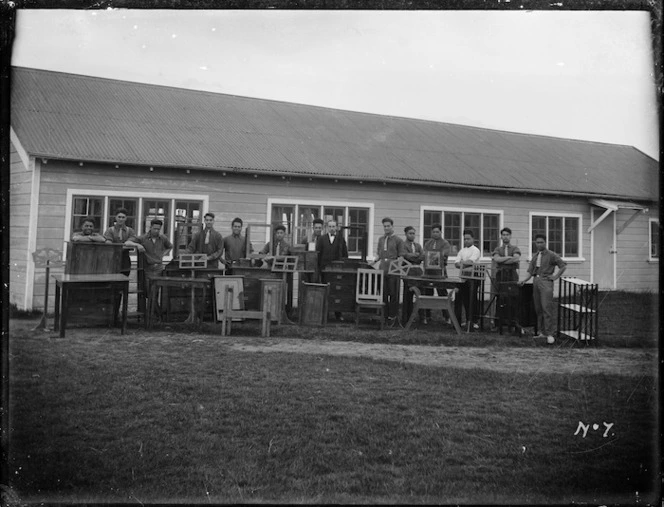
<point x="467" y="256"/>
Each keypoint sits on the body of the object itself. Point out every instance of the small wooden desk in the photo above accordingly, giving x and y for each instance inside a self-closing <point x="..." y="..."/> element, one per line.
<point x="174" y="281"/>
<point x="65" y="284"/>
<point x="424" y="282"/>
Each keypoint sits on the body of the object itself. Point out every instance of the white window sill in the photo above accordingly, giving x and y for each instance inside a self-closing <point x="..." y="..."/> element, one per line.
<point x="653" y="261"/>
<point x="569" y="260"/>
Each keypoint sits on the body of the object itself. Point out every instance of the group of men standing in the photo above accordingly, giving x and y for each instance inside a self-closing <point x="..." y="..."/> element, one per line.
<point x="331" y="246"/>
<point x="506" y="258"/>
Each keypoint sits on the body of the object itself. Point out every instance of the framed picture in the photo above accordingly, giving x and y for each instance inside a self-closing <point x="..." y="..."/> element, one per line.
<point x="433" y="260"/>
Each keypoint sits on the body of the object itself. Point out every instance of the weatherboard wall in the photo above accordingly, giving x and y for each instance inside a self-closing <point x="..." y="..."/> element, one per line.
<point x="247" y="196"/>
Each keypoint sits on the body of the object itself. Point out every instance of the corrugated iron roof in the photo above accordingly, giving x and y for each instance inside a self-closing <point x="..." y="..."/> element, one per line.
<point x="68" y="116"/>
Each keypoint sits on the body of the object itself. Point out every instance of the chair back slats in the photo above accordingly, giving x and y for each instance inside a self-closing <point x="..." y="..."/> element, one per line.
<point x="369" y="288"/>
<point x="474" y="272"/>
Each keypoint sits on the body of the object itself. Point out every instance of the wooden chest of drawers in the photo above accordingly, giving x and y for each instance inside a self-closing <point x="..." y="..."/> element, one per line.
<point x="342" y="289"/>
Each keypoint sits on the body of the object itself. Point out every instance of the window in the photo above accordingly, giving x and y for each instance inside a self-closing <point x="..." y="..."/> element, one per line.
<point x="87" y="207"/>
<point x="562" y="233"/>
<point x="157" y="209"/>
<point x="131" y="205"/>
<point x="359" y="224"/>
<point x="654" y="239"/>
<point x="298" y="219"/>
<point x="484" y="224"/>
<point x="141" y="209"/>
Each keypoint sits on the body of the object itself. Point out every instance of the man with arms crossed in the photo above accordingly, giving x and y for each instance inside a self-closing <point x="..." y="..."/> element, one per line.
<point x="437" y="244"/>
<point x="507" y="257"/>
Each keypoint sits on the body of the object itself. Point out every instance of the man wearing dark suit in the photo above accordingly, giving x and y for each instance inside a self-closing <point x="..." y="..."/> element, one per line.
<point x="331" y="247"/>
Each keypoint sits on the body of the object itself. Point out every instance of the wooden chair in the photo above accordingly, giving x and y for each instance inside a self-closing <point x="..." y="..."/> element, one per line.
<point x="369" y="294"/>
<point x="262" y="315"/>
<point x="433" y="303"/>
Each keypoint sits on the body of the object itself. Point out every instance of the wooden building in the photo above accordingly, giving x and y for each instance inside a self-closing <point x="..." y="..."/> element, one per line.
<point x="86" y="146"/>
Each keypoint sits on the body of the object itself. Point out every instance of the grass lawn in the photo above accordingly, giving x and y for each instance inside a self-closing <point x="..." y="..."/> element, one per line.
<point x="175" y="415"/>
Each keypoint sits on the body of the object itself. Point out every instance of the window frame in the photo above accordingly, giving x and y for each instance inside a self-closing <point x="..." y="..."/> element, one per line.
<point x="652" y="221"/>
<point x="579" y="257"/>
<point x="107" y="195"/>
<point x="322" y="204"/>
<point x="451" y="209"/>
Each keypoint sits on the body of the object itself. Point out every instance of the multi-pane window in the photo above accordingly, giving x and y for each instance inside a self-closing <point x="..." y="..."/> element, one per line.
<point x="298" y="220"/>
<point x="131" y="205"/>
<point x="654" y="239"/>
<point x="83" y="207"/>
<point x="562" y="233"/>
<point x="358" y="227"/>
<point x="157" y="209"/>
<point x="140" y="211"/>
<point x="484" y="225"/>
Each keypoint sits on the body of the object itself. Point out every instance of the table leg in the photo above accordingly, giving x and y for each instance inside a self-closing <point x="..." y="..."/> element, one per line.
<point x="407" y="299"/>
<point x="125" y="297"/>
<point x="191" y="319"/>
<point x="116" y="305"/>
<point x="56" y="324"/>
<point x="149" y="311"/>
<point x="203" y="310"/>
<point x="65" y="310"/>
<point x="469" y="318"/>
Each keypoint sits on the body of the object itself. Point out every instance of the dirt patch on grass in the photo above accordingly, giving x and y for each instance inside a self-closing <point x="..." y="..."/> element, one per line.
<point x="633" y="362"/>
<point x="630" y="362"/>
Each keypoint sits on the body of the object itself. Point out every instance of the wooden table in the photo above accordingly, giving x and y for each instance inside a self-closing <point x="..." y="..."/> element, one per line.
<point x="425" y="282"/>
<point x="174" y="281"/>
<point x="66" y="284"/>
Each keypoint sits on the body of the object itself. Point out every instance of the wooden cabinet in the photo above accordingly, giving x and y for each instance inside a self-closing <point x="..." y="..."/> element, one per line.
<point x="312" y="307"/>
<point x="577" y="310"/>
<point x="342" y="289"/>
<point x="93" y="258"/>
<point x="515" y="306"/>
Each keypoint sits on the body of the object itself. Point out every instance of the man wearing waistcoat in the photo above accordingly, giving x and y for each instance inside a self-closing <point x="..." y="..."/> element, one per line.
<point x="331" y="247"/>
